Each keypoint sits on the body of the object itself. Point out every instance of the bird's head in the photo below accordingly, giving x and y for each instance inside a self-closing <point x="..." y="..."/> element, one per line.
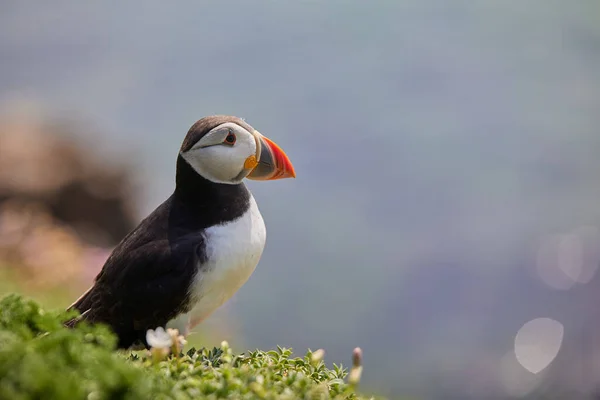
<point x="225" y="149"/>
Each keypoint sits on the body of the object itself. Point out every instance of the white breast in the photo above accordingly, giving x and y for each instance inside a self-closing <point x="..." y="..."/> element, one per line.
<point x="233" y="251"/>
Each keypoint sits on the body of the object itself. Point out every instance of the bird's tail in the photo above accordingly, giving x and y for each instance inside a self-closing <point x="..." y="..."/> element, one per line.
<point x="83" y="305"/>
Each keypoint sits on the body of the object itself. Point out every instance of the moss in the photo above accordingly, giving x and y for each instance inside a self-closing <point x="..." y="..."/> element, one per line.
<point x="39" y="358"/>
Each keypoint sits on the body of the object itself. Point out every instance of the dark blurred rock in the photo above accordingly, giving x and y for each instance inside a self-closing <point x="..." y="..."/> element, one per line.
<point x="42" y="163"/>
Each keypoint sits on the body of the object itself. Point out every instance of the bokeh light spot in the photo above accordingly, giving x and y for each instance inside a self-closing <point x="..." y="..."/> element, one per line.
<point x="537" y="343"/>
<point x="550" y="265"/>
<point x="566" y="259"/>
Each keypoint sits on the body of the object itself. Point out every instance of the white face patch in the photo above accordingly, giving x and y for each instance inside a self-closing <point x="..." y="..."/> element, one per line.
<point x="218" y="161"/>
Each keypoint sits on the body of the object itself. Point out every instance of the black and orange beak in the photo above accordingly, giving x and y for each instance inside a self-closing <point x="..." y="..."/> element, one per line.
<point x="272" y="162"/>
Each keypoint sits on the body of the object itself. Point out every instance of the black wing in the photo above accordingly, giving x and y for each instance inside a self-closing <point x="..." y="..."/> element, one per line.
<point x="143" y="287"/>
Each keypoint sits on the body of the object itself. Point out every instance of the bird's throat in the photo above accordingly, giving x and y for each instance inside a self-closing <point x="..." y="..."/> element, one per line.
<point x="217" y="203"/>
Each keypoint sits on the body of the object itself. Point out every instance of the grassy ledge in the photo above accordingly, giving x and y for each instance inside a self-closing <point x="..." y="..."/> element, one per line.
<point x="39" y="358"/>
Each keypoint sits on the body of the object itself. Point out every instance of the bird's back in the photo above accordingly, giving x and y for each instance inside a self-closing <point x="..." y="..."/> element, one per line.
<point x="145" y="281"/>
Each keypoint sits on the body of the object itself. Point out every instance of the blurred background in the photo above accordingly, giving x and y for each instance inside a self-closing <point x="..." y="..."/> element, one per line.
<point x="446" y="212"/>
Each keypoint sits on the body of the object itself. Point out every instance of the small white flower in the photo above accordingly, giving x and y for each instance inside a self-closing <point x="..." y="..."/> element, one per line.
<point x="173" y="332"/>
<point x="182" y="341"/>
<point x="158" y="338"/>
<point x="176" y="337"/>
<point x="317" y="356"/>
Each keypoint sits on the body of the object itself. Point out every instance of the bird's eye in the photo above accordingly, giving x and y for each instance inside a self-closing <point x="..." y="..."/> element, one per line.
<point x="230" y="139"/>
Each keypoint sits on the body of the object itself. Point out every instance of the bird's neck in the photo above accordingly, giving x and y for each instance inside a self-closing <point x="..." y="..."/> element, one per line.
<point x="212" y="202"/>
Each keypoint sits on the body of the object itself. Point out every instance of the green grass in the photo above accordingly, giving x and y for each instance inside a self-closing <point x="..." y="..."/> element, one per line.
<point x="39" y="358"/>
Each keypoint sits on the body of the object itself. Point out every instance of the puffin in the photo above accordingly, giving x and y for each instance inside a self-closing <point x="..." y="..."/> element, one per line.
<point x="197" y="248"/>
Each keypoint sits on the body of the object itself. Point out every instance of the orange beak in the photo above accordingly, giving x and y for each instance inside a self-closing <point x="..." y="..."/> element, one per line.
<point x="272" y="162"/>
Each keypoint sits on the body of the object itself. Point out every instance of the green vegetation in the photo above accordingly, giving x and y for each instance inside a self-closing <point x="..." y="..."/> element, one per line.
<point x="39" y="358"/>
